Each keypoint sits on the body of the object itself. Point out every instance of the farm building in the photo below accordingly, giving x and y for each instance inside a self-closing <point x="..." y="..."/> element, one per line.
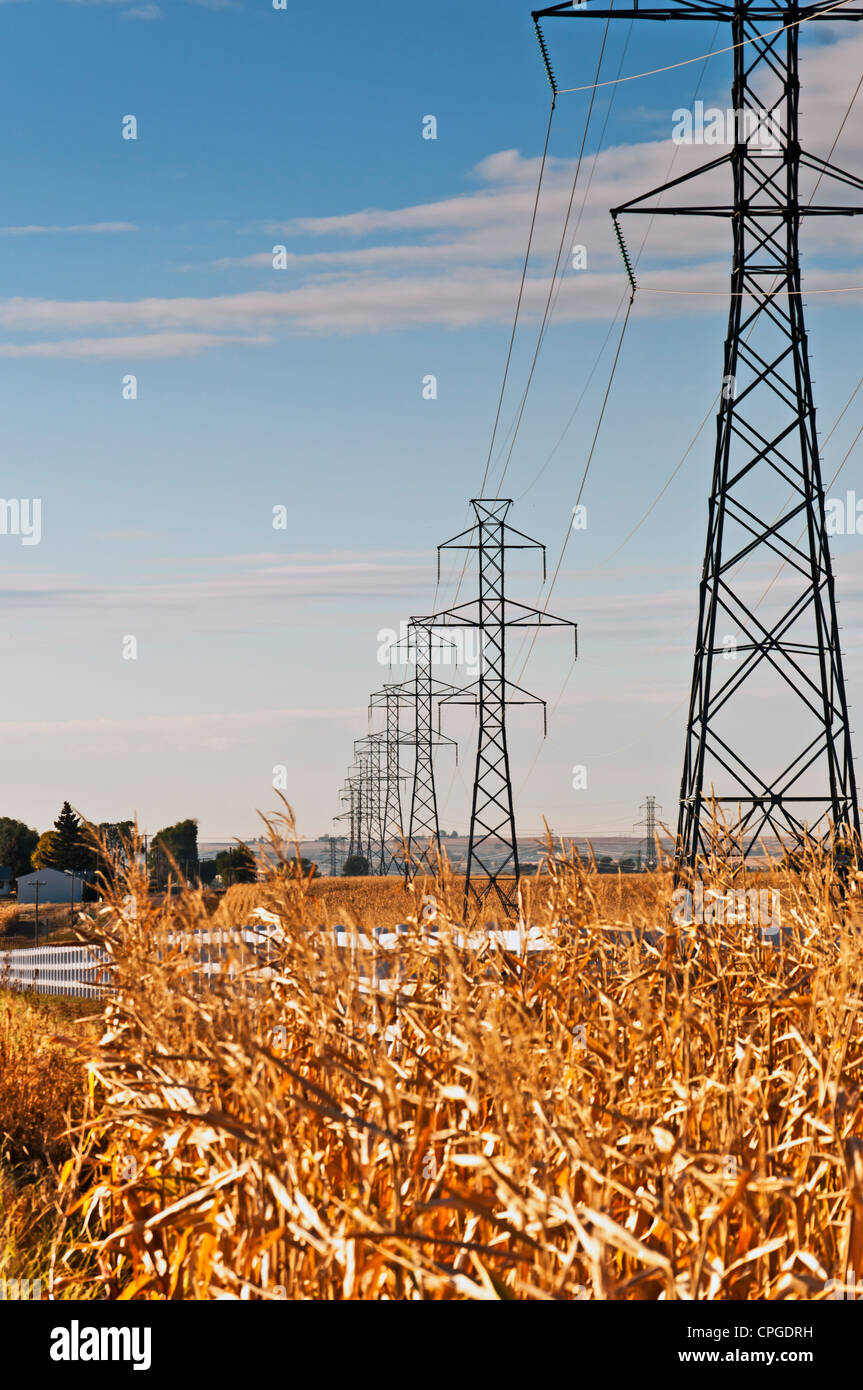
<point x="54" y="886"/>
<point x="5" y="881"/>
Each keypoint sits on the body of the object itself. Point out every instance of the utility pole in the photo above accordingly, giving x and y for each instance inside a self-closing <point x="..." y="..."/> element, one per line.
<point x="37" y="884"/>
<point x="767" y="496"/>
<point x="492" y="861"/>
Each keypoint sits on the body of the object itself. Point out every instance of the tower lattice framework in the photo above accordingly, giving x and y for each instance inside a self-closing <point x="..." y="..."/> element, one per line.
<point x="422" y="694"/>
<point x="492" y="861"/>
<point x="767" y="634"/>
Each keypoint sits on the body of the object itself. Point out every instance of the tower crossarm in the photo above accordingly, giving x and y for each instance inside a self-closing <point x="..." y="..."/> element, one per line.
<point x="760" y="14"/>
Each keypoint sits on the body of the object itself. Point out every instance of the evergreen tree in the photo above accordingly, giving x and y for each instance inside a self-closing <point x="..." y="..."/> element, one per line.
<point x="69" y="850"/>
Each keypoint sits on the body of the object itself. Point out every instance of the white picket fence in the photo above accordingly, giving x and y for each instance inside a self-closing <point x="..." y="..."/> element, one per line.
<point x="80" y="971"/>
<point x="84" y="972"/>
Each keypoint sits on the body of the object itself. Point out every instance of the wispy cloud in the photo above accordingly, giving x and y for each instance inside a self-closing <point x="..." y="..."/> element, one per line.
<point x="94" y="227"/>
<point x="144" y="345"/>
<point x="242" y="589"/>
<point x="147" y="12"/>
<point x="170" y="724"/>
<point x="455" y="262"/>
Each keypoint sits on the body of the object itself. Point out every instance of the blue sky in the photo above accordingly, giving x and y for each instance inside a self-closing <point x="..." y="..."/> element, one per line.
<point x="303" y="388"/>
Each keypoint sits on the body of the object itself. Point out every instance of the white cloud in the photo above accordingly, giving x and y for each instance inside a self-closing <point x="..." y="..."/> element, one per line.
<point x="149" y="345"/>
<point x="455" y="262"/>
<point x="95" y="227"/>
<point x="241" y="589"/>
<point x="173" y="723"/>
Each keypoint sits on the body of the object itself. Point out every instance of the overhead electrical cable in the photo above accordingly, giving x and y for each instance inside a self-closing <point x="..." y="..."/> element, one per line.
<point x="584" y="390"/>
<point x="599" y="147"/>
<point x="700" y="57"/>
<point x="774" y="289"/>
<point x="608" y="390"/>
<point x="553" y="281"/>
<point x="520" y="297"/>
<point x="704" y="421"/>
<point x="593" y="444"/>
<point x="611" y="326"/>
<point x="515" y="318"/>
<point x="525" y="264"/>
<point x="524" y="277"/>
<point x="638" y="257"/>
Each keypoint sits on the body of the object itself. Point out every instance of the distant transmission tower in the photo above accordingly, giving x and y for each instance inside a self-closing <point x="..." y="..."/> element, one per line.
<point x="648" y="822"/>
<point x="391" y="697"/>
<point x="492" y="860"/>
<point x="788" y="772"/>
<point x="422" y="646"/>
<point x="368" y="758"/>
<point x="348" y="797"/>
<point x="374" y="802"/>
<point x="334" y="842"/>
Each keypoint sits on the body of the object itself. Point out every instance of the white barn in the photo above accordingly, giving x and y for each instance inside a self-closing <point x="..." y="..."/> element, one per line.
<point x="55" y="886"/>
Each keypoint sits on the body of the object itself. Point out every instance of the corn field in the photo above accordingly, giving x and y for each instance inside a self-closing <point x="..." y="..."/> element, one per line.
<point x="642" y="1111"/>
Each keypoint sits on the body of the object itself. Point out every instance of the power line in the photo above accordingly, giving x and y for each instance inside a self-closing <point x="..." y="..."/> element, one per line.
<point x="638" y="257"/>
<point x="524" y="274"/>
<point x="589" y="379"/>
<point x="697" y="434"/>
<point x="716" y="53"/>
<point x="551" y="288"/>
<point x="765" y="299"/>
<point x="520" y="295"/>
<point x="584" y="474"/>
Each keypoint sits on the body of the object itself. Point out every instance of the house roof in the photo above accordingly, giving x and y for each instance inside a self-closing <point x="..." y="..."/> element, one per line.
<point x="66" y="873"/>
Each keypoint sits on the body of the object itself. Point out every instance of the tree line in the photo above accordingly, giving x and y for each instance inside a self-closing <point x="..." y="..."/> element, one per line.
<point x="96" y="853"/>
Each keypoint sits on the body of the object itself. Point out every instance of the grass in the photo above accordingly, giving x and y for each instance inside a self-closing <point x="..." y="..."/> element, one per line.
<point x="18" y="924"/>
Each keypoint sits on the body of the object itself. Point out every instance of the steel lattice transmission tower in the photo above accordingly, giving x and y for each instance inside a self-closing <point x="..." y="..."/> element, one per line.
<point x="422" y="645"/>
<point x="423" y="825"/>
<point x="648" y="824"/>
<point x="355" y="785"/>
<point x="374" y="802"/>
<point x="492" y="861"/>
<point x="349" y="797"/>
<point x="391" y="698"/>
<point x="777" y="646"/>
<point x="367" y="754"/>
